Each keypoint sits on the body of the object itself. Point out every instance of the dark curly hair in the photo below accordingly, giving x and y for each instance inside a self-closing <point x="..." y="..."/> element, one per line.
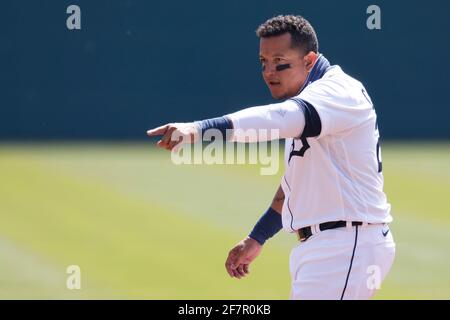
<point x="302" y="33"/>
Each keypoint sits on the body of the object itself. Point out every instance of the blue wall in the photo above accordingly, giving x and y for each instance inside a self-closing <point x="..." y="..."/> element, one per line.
<point x="137" y="64"/>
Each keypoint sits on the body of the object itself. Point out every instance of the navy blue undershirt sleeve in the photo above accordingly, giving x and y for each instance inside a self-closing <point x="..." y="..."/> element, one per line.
<point x="221" y="123"/>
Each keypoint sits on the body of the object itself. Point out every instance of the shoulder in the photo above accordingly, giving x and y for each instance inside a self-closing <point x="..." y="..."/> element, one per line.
<point x="335" y="78"/>
<point x="339" y="100"/>
<point x="335" y="86"/>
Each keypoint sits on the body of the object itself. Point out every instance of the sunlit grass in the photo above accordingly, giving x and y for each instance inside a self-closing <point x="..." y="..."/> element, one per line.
<point x="140" y="227"/>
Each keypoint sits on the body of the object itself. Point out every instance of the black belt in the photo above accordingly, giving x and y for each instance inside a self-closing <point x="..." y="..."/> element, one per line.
<point x="304" y="233"/>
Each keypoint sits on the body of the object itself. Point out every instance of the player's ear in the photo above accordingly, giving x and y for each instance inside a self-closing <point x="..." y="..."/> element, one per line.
<point x="309" y="60"/>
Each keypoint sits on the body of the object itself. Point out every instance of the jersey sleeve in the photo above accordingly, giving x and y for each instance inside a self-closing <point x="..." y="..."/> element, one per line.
<point x="286" y="119"/>
<point x="334" y="105"/>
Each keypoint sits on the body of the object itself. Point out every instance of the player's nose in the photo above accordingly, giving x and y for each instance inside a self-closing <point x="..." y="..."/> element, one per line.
<point x="269" y="71"/>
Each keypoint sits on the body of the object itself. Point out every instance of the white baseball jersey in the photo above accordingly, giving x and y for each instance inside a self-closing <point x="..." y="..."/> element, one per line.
<point x="337" y="174"/>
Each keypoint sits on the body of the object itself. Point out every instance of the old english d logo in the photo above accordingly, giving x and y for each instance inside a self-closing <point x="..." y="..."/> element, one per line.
<point x="301" y="150"/>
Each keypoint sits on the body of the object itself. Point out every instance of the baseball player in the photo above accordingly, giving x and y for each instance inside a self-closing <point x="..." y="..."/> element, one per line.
<point x="331" y="194"/>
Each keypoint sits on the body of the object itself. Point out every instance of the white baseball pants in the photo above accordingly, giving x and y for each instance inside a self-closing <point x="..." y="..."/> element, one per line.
<point x="343" y="263"/>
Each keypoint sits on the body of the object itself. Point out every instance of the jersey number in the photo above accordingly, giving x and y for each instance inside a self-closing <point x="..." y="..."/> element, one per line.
<point x="380" y="165"/>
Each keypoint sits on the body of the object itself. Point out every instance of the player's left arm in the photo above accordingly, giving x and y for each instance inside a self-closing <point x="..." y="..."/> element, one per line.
<point x="242" y="254"/>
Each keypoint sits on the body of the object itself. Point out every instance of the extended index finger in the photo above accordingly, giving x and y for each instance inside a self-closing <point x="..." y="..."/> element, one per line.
<point x="157" y="131"/>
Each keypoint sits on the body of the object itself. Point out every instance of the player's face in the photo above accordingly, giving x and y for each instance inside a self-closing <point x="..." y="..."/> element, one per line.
<point x="284" y="68"/>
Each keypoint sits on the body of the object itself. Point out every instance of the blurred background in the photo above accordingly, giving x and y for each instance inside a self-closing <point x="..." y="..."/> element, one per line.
<point x="81" y="185"/>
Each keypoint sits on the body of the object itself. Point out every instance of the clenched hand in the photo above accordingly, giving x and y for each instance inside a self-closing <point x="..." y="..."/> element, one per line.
<point x="240" y="257"/>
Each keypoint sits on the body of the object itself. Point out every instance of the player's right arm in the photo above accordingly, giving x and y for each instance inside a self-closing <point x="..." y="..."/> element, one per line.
<point x="240" y="257"/>
<point x="261" y="123"/>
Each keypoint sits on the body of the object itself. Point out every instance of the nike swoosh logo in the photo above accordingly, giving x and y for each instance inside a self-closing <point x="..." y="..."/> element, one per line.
<point x="385" y="233"/>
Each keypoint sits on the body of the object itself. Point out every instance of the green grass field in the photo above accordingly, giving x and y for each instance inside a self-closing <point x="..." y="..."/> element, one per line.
<point x="140" y="227"/>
